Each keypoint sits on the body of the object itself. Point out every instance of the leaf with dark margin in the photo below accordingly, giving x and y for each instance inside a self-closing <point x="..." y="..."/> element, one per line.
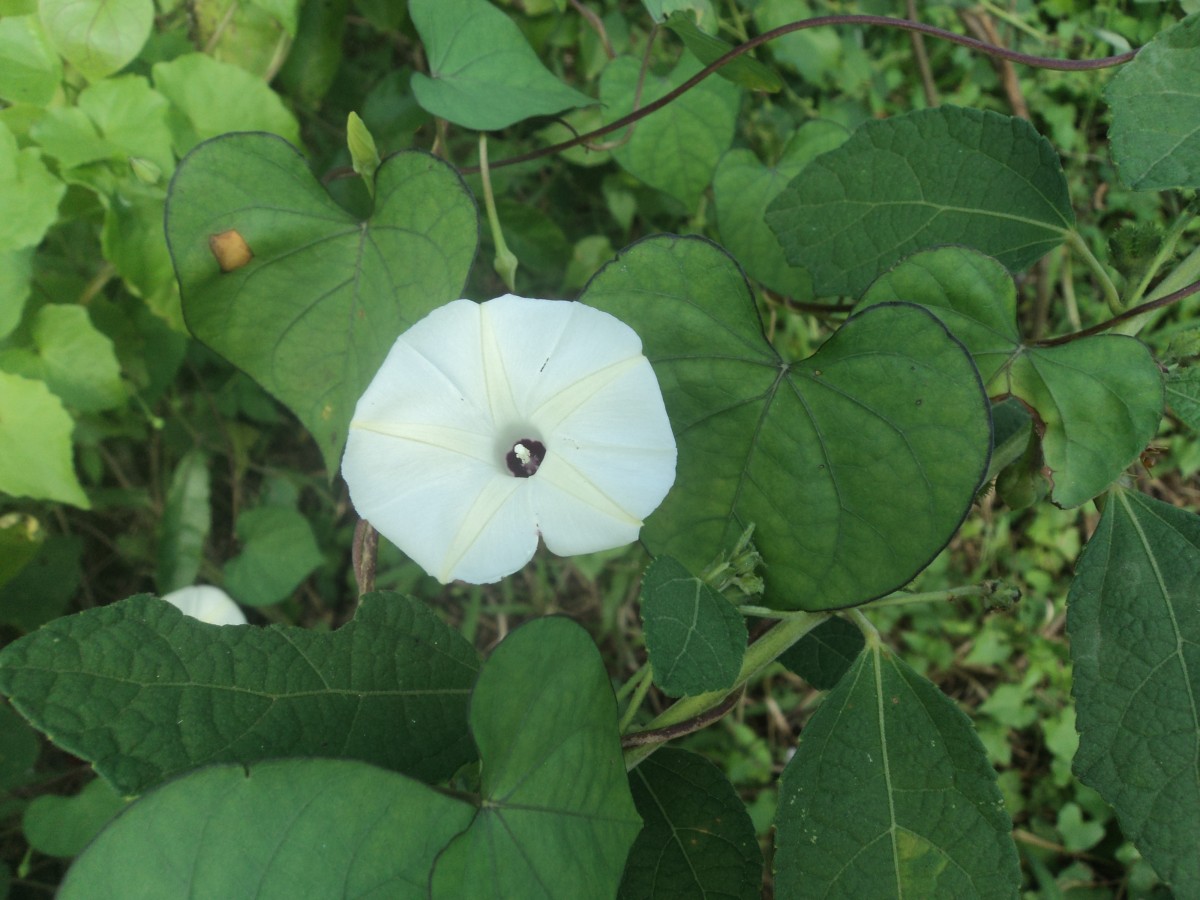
<point x="143" y="692"/>
<point x="1134" y="625"/>
<point x="930" y="177"/>
<point x="855" y="465"/>
<point x="324" y="297"/>
<point x="826" y="653"/>
<point x="1098" y="399"/>
<point x="697" y="841"/>
<point x="695" y="638"/>
<point x="890" y="794"/>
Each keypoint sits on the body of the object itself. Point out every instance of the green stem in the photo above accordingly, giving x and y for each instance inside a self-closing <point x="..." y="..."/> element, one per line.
<point x="1079" y="245"/>
<point x="505" y="262"/>
<point x="634" y="680"/>
<point x="758" y="656"/>
<point x="1165" y="251"/>
<point x="988" y="590"/>
<point x="644" y="681"/>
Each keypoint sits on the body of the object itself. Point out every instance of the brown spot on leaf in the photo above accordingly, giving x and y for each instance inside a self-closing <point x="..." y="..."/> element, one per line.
<point x="230" y="249"/>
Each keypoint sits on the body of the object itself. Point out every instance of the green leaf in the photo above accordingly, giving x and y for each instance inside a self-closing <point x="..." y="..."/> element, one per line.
<point x="21" y="536"/>
<point x="132" y="240"/>
<point x="132" y="117"/>
<point x="556" y="818"/>
<point x="1098" y="400"/>
<point x="743" y="188"/>
<point x="63" y="826"/>
<point x="698" y="840"/>
<point x="483" y="74"/>
<point x="199" y="88"/>
<point x="187" y="518"/>
<point x="30" y="70"/>
<point x="316" y="309"/>
<point x="1183" y="395"/>
<point x="16" y="282"/>
<point x="76" y="360"/>
<point x="676" y="149"/>
<point x="890" y="794"/>
<point x="1135" y="632"/>
<point x="25" y="185"/>
<point x="289" y="828"/>
<point x="930" y="177"/>
<point x="279" y="551"/>
<point x="695" y="637"/>
<point x="855" y="465"/>
<point x="97" y="37"/>
<point x="1155" y="102"/>
<point x="35" y="443"/>
<point x="143" y="692"/>
<point x="707" y="48"/>
<point x="19" y="746"/>
<point x="826" y="653"/>
<point x="251" y="35"/>
<point x="44" y="588"/>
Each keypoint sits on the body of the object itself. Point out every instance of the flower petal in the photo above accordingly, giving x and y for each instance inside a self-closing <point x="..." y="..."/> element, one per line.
<point x="208" y="604"/>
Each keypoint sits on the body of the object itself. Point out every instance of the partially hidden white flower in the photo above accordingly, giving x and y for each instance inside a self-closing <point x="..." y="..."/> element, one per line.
<point x="490" y="424"/>
<point x="208" y="604"/>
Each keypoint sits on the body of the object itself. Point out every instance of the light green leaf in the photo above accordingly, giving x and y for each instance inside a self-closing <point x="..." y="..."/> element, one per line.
<point x="855" y="465"/>
<point x="132" y="240"/>
<point x="1098" y="399"/>
<point x="1135" y="640"/>
<point x="30" y="70"/>
<point x="890" y="794"/>
<point x="483" y="74"/>
<point x="63" y="826"/>
<point x="187" y="518"/>
<point x="132" y="117"/>
<point x="826" y="653"/>
<point x="676" y="149"/>
<point x="697" y="837"/>
<point x="35" y="443"/>
<point x="694" y="636"/>
<point x="27" y="185"/>
<point x="251" y="35"/>
<point x="68" y="135"/>
<point x="556" y="818"/>
<point x="1155" y="102"/>
<point x="914" y="181"/>
<point x="743" y="188"/>
<point x="144" y="693"/>
<point x="314" y="311"/>
<point x="199" y="89"/>
<point x="288" y="828"/>
<point x="76" y="360"/>
<point x="279" y="551"/>
<point x="16" y="278"/>
<point x="97" y="37"/>
<point x="707" y="48"/>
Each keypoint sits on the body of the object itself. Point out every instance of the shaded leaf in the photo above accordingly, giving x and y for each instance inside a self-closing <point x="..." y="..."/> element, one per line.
<point x="826" y="653"/>
<point x="21" y="536"/>
<point x="44" y="588"/>
<point x="930" y="177"/>
<point x="312" y="316"/>
<point x="1135" y="641"/>
<point x="97" y="37"/>
<point x="279" y="551"/>
<point x="1183" y="395"/>
<point x="890" y="407"/>
<point x="697" y="841"/>
<point x="63" y="826"/>
<point x="186" y="520"/>
<point x="1098" y="400"/>
<point x="35" y="443"/>
<point x="890" y="794"/>
<point x="677" y="148"/>
<point x="1155" y="102"/>
<point x="16" y="282"/>
<point x="744" y="70"/>
<point x="144" y="692"/>
<point x="483" y="73"/>
<point x="695" y="637"/>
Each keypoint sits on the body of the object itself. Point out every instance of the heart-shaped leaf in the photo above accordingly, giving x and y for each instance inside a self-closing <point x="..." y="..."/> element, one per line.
<point x="935" y="176"/>
<point x="855" y="465"/>
<point x="1098" y="399"/>
<point x="484" y="74"/>
<point x="312" y="299"/>
<point x="143" y="692"/>
<point x="97" y="37"/>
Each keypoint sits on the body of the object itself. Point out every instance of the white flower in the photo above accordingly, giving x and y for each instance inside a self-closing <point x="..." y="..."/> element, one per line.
<point x="208" y="604"/>
<point x="490" y="424"/>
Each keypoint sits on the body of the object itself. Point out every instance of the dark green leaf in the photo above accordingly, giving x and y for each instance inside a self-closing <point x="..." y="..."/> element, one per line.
<point x="697" y="841"/>
<point x="1183" y="395"/>
<point x="63" y="826"/>
<point x="313" y="313"/>
<point x="1135" y="640"/>
<point x="1098" y="399"/>
<point x="694" y="636"/>
<point x="144" y="693"/>
<point x="21" y="536"/>
<point x="935" y="176"/>
<point x="1155" y="102"/>
<point x="187" y="518"/>
<point x="855" y="465"/>
<point x="890" y="794"/>
<point x="19" y="747"/>
<point x="826" y="653"/>
<point x="744" y="70"/>
<point x="483" y="74"/>
<point x="42" y="590"/>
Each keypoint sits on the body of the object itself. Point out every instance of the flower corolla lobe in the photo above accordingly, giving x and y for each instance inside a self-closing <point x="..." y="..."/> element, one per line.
<point x="491" y="424"/>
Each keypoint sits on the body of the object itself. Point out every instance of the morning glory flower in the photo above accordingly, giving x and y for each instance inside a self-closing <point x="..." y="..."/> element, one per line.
<point x="208" y="604"/>
<point x="491" y="424"/>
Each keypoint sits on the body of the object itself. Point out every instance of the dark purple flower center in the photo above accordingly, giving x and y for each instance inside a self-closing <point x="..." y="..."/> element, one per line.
<point x="525" y="457"/>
